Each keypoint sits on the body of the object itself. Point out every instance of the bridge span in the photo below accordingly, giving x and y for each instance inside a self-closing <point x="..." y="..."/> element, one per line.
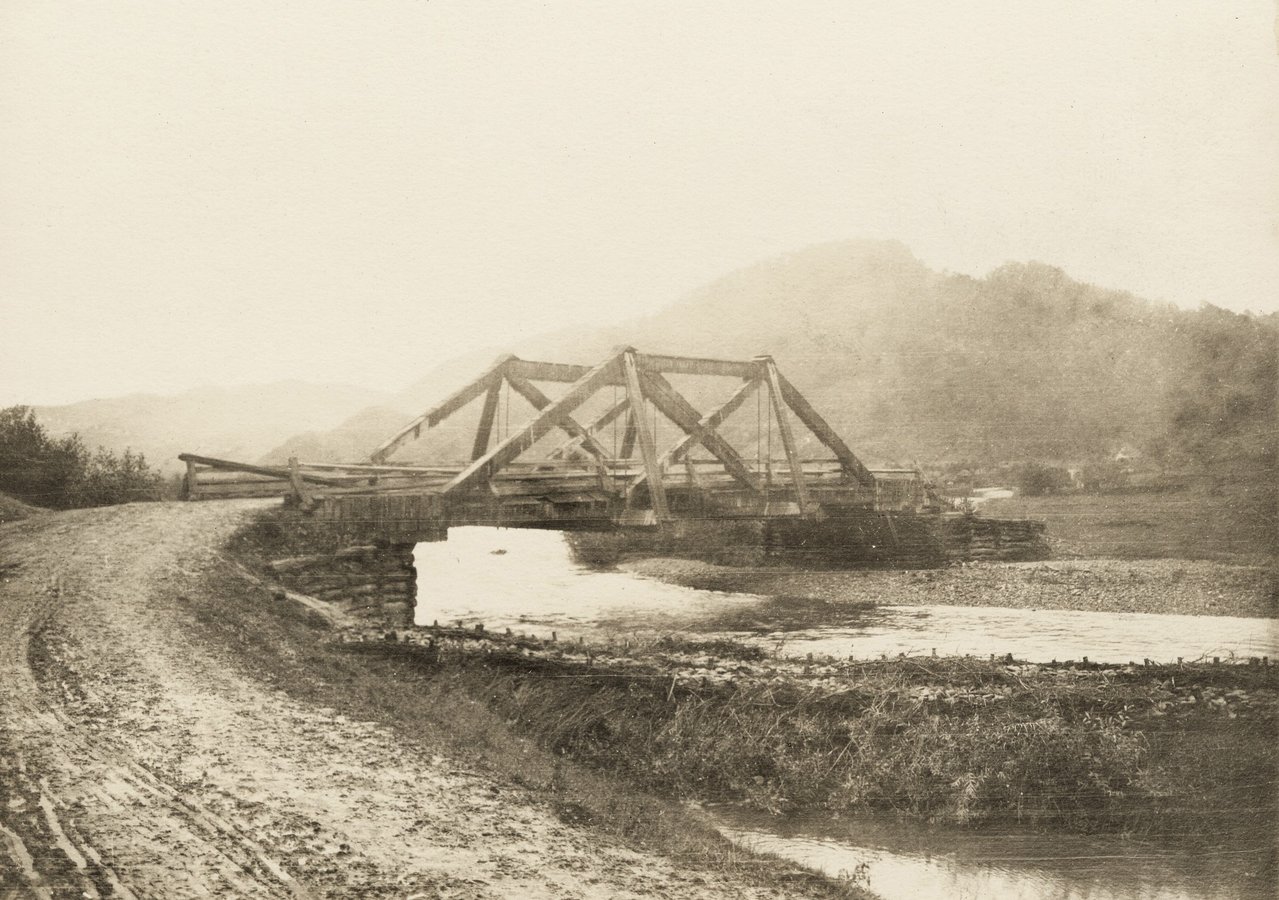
<point x="559" y="469"/>
<point x="597" y="452"/>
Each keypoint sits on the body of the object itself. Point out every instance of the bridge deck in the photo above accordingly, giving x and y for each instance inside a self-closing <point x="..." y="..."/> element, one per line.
<point x="559" y="494"/>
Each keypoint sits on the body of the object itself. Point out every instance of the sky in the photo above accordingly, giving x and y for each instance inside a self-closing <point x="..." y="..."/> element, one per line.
<point x="225" y="193"/>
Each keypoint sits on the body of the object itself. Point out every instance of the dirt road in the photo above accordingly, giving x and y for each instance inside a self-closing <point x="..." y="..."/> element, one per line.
<point x="136" y="763"/>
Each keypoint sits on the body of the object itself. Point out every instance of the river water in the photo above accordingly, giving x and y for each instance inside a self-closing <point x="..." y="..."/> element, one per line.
<point x="912" y="861"/>
<point x="528" y="581"/>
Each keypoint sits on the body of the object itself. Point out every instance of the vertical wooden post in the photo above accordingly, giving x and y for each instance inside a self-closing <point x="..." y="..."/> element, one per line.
<point x="788" y="438"/>
<point x="191" y="480"/>
<point x="487" y="416"/>
<point x="648" y="449"/>
<point x="813" y="421"/>
<point x="299" y="486"/>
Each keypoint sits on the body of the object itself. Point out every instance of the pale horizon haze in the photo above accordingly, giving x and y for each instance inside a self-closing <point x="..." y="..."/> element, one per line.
<point x="227" y="193"/>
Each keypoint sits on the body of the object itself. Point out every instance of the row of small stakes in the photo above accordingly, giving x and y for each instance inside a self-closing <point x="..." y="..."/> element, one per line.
<point x="619" y="651"/>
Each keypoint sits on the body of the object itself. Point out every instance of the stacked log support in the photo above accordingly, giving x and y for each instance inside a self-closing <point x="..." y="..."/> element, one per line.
<point x="975" y="538"/>
<point x="372" y="583"/>
<point x="851" y="541"/>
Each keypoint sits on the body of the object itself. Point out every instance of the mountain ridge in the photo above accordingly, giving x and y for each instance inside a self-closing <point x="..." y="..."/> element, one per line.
<point x="241" y="422"/>
<point x="907" y="363"/>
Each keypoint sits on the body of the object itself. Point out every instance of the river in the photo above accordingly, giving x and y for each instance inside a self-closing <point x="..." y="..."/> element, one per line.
<point x="530" y="582"/>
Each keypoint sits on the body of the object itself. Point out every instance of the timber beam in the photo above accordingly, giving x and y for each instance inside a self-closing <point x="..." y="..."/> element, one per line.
<point x="788" y="438"/>
<point x="568" y="424"/>
<point x="645" y="362"/>
<point x="823" y="432"/>
<point x="648" y="450"/>
<point x="711" y="421"/>
<point x="549" y="419"/>
<point x="671" y="403"/>
<point x="610" y="416"/>
<point x="443" y="410"/>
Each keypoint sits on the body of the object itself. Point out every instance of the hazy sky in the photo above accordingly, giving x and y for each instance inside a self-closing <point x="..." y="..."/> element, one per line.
<point x="223" y="192"/>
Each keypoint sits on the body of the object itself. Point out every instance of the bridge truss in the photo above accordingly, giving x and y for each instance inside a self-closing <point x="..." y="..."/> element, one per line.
<point x="581" y="481"/>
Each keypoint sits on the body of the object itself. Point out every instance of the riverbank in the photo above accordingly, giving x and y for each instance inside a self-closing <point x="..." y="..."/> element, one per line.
<point x="171" y="726"/>
<point x="1188" y="587"/>
<point x="1158" y="753"/>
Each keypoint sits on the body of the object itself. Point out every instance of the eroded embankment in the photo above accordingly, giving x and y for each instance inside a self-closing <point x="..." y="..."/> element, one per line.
<point x="1177" y="749"/>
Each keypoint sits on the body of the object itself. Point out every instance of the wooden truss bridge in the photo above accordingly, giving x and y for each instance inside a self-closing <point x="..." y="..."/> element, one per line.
<point x="560" y="470"/>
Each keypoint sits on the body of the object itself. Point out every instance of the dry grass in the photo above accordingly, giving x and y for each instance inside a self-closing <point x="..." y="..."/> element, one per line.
<point x="1238" y="523"/>
<point x="953" y="740"/>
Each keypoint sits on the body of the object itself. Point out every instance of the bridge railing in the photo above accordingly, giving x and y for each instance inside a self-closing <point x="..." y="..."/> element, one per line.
<point x="561" y="491"/>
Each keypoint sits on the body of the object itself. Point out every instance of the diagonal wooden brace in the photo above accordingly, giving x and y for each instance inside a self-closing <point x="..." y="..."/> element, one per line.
<point x="671" y="403"/>
<point x="443" y="409"/>
<point x="593" y="429"/>
<point x="711" y="421"/>
<point x="550" y="419"/>
<point x="813" y="421"/>
<point x="788" y="438"/>
<point x="635" y="395"/>
<point x="533" y="394"/>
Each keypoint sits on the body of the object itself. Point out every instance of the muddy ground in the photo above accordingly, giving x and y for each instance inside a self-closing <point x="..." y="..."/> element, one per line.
<point x="139" y="760"/>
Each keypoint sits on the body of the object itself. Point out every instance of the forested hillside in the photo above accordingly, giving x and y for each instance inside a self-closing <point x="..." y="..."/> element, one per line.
<point x="916" y="365"/>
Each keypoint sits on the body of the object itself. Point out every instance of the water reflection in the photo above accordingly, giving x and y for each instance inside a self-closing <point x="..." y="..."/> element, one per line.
<point x="529" y="581"/>
<point x="900" y="861"/>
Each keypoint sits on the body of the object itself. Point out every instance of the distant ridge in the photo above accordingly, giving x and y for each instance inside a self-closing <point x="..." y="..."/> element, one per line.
<point x="908" y="364"/>
<point x="239" y="422"/>
<point x="912" y="364"/>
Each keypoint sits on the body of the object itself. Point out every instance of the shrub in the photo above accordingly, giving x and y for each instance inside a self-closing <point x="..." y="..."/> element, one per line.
<point x="62" y="473"/>
<point x="1035" y="479"/>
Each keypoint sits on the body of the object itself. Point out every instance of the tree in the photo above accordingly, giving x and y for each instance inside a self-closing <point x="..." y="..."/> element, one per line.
<point x="61" y="472"/>
<point x="1226" y="402"/>
<point x="1035" y="479"/>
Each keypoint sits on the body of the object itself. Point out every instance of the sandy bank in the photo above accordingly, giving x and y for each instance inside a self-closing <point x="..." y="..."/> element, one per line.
<point x="1188" y="587"/>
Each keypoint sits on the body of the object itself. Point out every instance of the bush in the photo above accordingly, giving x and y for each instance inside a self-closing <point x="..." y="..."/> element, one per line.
<point x="106" y="479"/>
<point x="1035" y="480"/>
<point x="62" y="473"/>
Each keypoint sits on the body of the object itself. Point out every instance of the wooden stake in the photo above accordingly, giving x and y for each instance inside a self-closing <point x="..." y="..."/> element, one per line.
<point x="192" y="480"/>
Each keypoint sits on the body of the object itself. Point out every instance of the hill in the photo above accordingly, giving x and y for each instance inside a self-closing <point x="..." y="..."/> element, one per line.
<point x="912" y="364"/>
<point x="239" y="423"/>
